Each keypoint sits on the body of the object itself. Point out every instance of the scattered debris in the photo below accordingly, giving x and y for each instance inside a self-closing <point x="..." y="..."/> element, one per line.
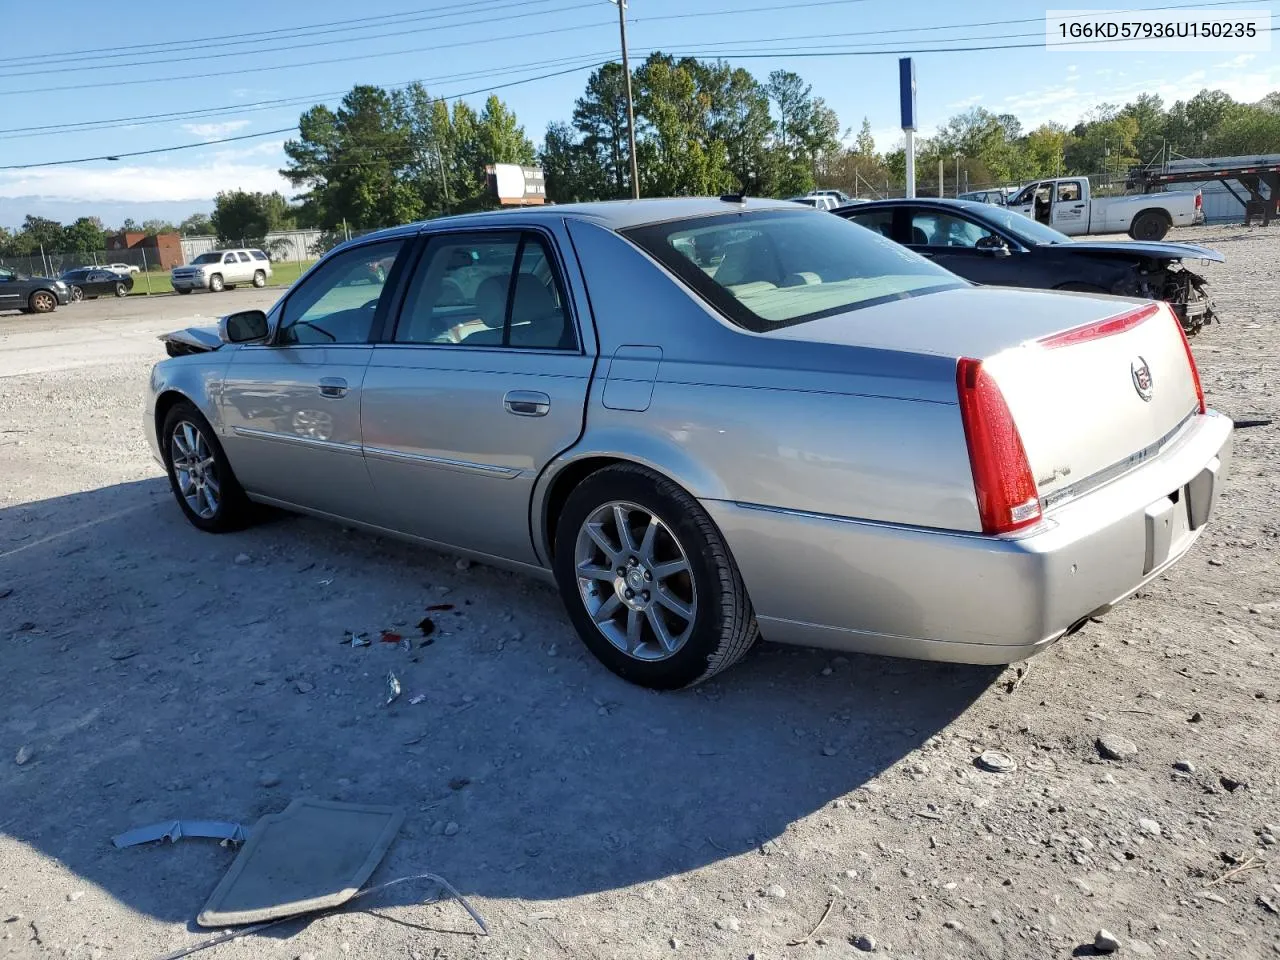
<point x="823" y="919"/>
<point x="463" y="563"/>
<point x="1253" y="863"/>
<point x="1151" y="827"/>
<point x="1185" y="766"/>
<point x="864" y="942"/>
<point x="776" y="891"/>
<point x="124" y="655"/>
<point x="451" y="828"/>
<point x="360" y="639"/>
<point x="389" y="637"/>
<point x="1013" y="685"/>
<point x="439" y="607"/>
<point x="24" y="756"/>
<point x="993" y="761"/>
<point x="75" y="895"/>
<point x="427" y="627"/>
<point x="1117" y="748"/>
<point x="242" y="559"/>
<point x="303" y="686"/>
<point x="1105" y="941"/>
<point x="5" y="591"/>
<point x="457" y="783"/>
<point x="417" y="698"/>
<point x="1195" y="717"/>
<point x="728" y="923"/>
<point x="1245" y="424"/>
<point x="1267" y="905"/>
<point x="175" y="830"/>
<point x="1231" y="784"/>
<point x="269" y="780"/>
<point x="393" y="688"/>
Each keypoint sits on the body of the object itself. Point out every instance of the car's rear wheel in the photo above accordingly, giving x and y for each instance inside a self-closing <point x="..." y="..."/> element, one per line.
<point x="200" y="475"/>
<point x="76" y="294"/>
<point x="648" y="580"/>
<point x="42" y="301"/>
<point x="1150" y="225"/>
<point x="215" y="283"/>
<point x="259" y="278"/>
<point x="121" y="290"/>
<point x="183" y="290"/>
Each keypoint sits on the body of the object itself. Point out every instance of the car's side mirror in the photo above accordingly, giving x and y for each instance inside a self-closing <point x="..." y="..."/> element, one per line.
<point x="247" y="326"/>
<point x="993" y="246"/>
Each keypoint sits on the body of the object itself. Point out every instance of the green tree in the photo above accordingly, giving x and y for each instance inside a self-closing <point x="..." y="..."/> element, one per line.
<point x="130" y="225"/>
<point x="35" y="233"/>
<point x="197" y="225"/>
<point x="242" y="217"/>
<point x="571" y="170"/>
<point x="157" y="226"/>
<point x="86" y="235"/>
<point x="678" y="154"/>
<point x="600" y="116"/>
<point x="1046" y="150"/>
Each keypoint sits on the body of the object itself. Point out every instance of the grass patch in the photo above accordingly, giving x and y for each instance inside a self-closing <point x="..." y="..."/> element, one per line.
<point x="157" y="281"/>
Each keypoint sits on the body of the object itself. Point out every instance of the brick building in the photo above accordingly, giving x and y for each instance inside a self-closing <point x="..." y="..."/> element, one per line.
<point x="164" y="250"/>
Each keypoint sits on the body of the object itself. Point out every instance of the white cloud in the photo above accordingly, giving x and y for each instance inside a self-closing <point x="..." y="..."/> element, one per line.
<point x="213" y="131"/>
<point x="172" y="178"/>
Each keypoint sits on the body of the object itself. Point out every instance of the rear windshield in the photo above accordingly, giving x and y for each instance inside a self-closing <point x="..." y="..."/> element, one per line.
<point x="766" y="269"/>
<point x="208" y="258"/>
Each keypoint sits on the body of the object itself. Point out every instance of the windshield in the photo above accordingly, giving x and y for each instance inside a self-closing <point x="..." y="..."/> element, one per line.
<point x="214" y="257"/>
<point x="1030" y="232"/>
<point x="772" y="268"/>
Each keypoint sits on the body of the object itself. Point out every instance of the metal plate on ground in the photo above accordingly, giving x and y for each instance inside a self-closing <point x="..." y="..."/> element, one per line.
<point x="312" y="856"/>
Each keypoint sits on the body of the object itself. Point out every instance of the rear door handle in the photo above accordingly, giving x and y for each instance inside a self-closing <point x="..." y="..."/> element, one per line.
<point x="527" y="403"/>
<point x="333" y="387"/>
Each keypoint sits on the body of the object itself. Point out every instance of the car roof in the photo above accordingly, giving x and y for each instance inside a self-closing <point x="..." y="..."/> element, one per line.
<point x="613" y="214"/>
<point x="974" y="207"/>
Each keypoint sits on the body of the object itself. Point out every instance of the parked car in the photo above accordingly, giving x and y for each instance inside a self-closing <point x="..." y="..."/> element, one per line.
<point x="711" y="419"/>
<point x="997" y="196"/>
<point x="995" y="245"/>
<point x="218" y="269"/>
<point x="121" y="268"/>
<point x="820" y="202"/>
<point x="94" y="282"/>
<point x="30" y="294"/>
<point x="838" y="195"/>
<point x="1066" y="205"/>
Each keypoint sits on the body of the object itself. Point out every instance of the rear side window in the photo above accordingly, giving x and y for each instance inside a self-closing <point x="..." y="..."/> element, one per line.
<point x="881" y="221"/>
<point x="772" y="268"/>
<point x="244" y="257"/>
<point x="258" y="255"/>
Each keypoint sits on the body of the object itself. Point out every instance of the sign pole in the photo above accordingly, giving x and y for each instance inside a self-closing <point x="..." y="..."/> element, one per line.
<point x="907" y="101"/>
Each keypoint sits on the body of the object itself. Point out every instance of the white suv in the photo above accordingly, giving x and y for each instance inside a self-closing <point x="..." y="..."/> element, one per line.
<point x="219" y="269"/>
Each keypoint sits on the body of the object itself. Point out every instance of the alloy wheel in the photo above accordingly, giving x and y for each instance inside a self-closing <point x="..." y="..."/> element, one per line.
<point x="635" y="581"/>
<point x="195" y="469"/>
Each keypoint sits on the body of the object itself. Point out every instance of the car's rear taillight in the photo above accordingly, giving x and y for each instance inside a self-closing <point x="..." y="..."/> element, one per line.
<point x="1002" y="480"/>
<point x="1191" y="361"/>
<point x="1199" y="200"/>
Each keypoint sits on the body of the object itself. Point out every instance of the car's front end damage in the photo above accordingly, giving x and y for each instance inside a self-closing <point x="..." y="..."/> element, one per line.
<point x="1158" y="272"/>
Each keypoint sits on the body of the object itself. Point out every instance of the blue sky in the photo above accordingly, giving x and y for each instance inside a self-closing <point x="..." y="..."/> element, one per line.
<point x="460" y="46"/>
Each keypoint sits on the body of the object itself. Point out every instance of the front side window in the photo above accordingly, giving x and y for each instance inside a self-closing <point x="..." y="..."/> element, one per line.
<point x="229" y="258"/>
<point x="943" y="230"/>
<point x="208" y="258"/>
<point x="340" y="300"/>
<point x="487" y="290"/>
<point x="770" y="268"/>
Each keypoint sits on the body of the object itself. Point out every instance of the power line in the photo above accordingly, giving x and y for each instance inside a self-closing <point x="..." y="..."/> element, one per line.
<point x="268" y="133"/>
<point x="24" y="72"/>
<point x="262" y="36"/>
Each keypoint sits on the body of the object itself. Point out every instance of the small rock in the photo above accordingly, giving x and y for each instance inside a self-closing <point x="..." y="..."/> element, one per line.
<point x="463" y="563"/>
<point x="1231" y="784"/>
<point x="1105" y="941"/>
<point x="437" y="828"/>
<point x="851" y="874"/>
<point x="302" y="686"/>
<point x="24" y="756"/>
<point x="553" y="650"/>
<point x="1215" y="562"/>
<point x="1268" y="839"/>
<point x="1149" y="826"/>
<point x="996" y="918"/>
<point x="1140" y="948"/>
<point x="993" y="761"/>
<point x="675" y="944"/>
<point x="1186" y="766"/>
<point x="1117" y="748"/>
<point x="306" y="956"/>
<point x="74" y="896"/>
<point x="269" y="780"/>
<point x="775" y="891"/>
<point x="728" y="923"/>
<point x="953" y="924"/>
<point x="826" y="671"/>
<point x="242" y="559"/>
<point x="1082" y="886"/>
<point x="829" y="751"/>
<point x="451" y="828"/>
<point x="1195" y="717"/>
<point x="864" y="942"/>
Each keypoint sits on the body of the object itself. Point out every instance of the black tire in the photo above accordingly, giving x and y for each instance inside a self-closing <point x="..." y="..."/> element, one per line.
<point x="234" y="510"/>
<point x="42" y="301"/>
<point x="723" y="624"/>
<point x="121" y="290"/>
<point x="216" y="283"/>
<point x="183" y="290"/>
<point x="1150" y="225"/>
<point x="259" y="278"/>
<point x="75" y="294"/>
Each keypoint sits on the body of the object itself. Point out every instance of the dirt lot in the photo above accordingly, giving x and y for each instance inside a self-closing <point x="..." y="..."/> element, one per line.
<point x="152" y="672"/>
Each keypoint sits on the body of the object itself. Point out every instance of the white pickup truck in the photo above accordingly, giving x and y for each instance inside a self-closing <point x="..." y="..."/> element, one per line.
<point x="1066" y="205"/>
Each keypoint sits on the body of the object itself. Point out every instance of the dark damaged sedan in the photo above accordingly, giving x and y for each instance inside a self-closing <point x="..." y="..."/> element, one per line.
<point x="999" y="247"/>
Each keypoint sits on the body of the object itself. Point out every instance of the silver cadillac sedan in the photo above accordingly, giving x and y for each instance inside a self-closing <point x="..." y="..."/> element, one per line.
<point x="710" y="420"/>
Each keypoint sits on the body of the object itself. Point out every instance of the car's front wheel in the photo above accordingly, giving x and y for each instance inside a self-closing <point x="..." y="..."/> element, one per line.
<point x="199" y="473"/>
<point x="648" y="580"/>
<point x="42" y="301"/>
<point x="259" y="278"/>
<point x="183" y="289"/>
<point x="215" y="283"/>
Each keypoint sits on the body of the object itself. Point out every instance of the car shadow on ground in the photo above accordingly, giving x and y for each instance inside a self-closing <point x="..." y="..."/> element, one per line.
<point x="154" y="672"/>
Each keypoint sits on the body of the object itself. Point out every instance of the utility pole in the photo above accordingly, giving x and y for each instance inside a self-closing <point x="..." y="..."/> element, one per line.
<point x="631" y="110"/>
<point x="957" y="173"/>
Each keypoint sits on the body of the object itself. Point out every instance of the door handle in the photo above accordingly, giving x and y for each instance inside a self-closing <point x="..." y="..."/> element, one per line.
<point x="1079" y="206"/>
<point x="333" y="387"/>
<point x="527" y="403"/>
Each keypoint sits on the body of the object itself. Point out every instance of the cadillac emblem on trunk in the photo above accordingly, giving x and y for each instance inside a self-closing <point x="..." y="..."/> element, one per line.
<point x="1141" y="378"/>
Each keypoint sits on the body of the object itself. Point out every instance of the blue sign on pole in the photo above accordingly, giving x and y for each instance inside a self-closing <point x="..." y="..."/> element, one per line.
<point x="907" y="92"/>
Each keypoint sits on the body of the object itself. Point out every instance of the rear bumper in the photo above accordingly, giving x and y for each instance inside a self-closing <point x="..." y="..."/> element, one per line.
<point x="936" y="595"/>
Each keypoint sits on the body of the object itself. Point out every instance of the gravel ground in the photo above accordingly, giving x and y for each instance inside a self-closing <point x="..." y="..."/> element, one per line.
<point x="152" y="672"/>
